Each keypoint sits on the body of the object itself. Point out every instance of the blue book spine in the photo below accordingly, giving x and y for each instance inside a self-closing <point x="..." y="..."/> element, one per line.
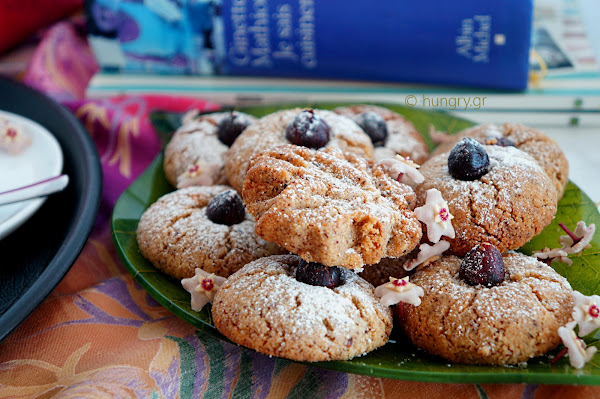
<point x="480" y="43"/>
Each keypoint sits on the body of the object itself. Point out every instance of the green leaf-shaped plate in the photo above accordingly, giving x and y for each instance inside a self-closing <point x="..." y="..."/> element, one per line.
<point x="396" y="359"/>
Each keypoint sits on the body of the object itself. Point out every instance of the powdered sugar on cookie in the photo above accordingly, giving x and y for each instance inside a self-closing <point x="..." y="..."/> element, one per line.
<point x="319" y="204"/>
<point x="264" y="307"/>
<point x="269" y="132"/>
<point x="176" y="235"/>
<point x="507" y="206"/>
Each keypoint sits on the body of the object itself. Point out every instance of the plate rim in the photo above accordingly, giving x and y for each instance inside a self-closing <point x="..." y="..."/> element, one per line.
<point x="489" y="375"/>
<point x="17" y="219"/>
<point x="84" y="219"/>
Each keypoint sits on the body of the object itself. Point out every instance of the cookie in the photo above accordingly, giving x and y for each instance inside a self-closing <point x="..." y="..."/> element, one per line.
<point x="505" y="324"/>
<point x="196" y="155"/>
<point x="401" y="135"/>
<point x="330" y="207"/>
<point x="264" y="307"/>
<point x="542" y="148"/>
<point x="176" y="235"/>
<point x="270" y="131"/>
<point x="507" y="206"/>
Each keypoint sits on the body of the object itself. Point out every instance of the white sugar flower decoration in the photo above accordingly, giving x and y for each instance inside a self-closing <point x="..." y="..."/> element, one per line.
<point x="399" y="290"/>
<point x="427" y="254"/>
<point x="586" y="312"/>
<point x="12" y="137"/>
<point x="436" y="215"/>
<point x="572" y="243"/>
<point x="553" y="255"/>
<point x="198" y="174"/>
<point x="203" y="287"/>
<point x="580" y="239"/>
<point x="579" y="355"/>
<point x="398" y="168"/>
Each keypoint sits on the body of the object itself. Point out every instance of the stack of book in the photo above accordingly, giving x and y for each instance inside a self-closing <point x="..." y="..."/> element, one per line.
<point x="463" y="53"/>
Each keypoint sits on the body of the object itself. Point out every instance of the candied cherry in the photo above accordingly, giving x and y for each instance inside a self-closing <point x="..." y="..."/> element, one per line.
<point x="226" y="208"/>
<point x="308" y="130"/>
<point x="468" y="160"/>
<point x="482" y="265"/>
<point x="375" y="126"/>
<point x="314" y="273"/>
<point x="231" y="127"/>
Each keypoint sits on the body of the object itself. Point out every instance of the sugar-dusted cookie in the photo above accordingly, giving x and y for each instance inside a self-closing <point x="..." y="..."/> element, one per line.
<point x="390" y="132"/>
<point x="507" y="323"/>
<point x="195" y="154"/>
<point x="305" y="127"/>
<point x="203" y="227"/>
<point x="542" y="148"/>
<point x="265" y="308"/>
<point x="496" y="194"/>
<point x="330" y="207"/>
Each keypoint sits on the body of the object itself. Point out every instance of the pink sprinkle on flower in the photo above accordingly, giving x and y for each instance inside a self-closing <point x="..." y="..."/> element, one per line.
<point x="207" y="284"/>
<point x="594" y="311"/>
<point x="399" y="290"/>
<point x="11" y="133"/>
<point x="202" y="288"/>
<point x="194" y="168"/>
<point x="443" y="213"/>
<point x="399" y="283"/>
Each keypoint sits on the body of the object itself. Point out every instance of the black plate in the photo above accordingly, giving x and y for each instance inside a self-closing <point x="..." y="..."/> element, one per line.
<point x="34" y="258"/>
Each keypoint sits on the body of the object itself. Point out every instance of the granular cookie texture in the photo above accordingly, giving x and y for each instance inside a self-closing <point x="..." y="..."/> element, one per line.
<point x="506" y="207"/>
<point x="506" y="324"/>
<point x="196" y="145"/>
<point x="535" y="143"/>
<point x="330" y="207"/>
<point x="264" y="307"/>
<point x="403" y="138"/>
<point x="177" y="237"/>
<point x="269" y="132"/>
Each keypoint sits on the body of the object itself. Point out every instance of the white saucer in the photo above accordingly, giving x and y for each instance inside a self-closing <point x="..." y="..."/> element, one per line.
<point x="42" y="160"/>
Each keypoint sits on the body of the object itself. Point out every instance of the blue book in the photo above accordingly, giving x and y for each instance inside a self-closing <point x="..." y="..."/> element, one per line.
<point x="477" y="43"/>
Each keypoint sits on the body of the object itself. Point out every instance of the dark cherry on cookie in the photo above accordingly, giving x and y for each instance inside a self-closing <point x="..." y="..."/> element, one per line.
<point x="308" y="130"/>
<point x="482" y="265"/>
<point x="314" y="273"/>
<point x="374" y="125"/>
<point x="226" y="208"/>
<point x="231" y="127"/>
<point x="468" y="160"/>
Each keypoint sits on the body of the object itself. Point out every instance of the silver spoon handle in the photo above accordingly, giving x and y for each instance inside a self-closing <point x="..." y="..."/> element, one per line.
<point x="35" y="190"/>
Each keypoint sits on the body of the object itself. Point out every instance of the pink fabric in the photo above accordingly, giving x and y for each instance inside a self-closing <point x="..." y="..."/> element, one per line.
<point x="55" y="71"/>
